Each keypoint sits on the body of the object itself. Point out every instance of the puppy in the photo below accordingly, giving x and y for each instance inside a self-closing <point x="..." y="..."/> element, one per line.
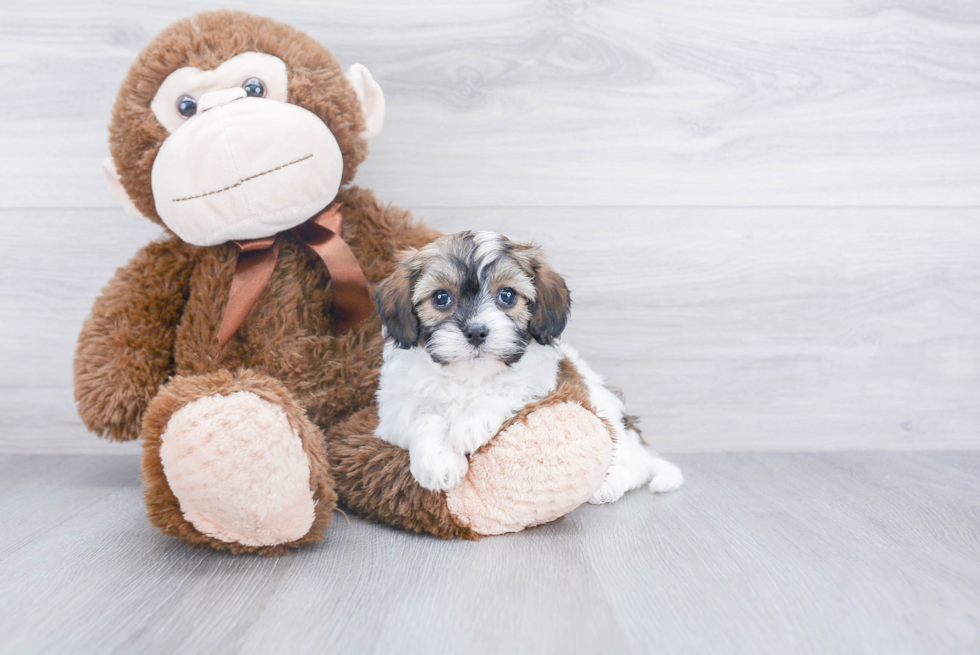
<point x="472" y="324"/>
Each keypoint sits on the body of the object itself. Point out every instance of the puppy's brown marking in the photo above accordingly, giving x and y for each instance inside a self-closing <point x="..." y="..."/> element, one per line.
<point x="550" y="310"/>
<point x="394" y="298"/>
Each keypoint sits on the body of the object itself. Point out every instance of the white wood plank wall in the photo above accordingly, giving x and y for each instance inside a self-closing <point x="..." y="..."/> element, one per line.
<point x="767" y="210"/>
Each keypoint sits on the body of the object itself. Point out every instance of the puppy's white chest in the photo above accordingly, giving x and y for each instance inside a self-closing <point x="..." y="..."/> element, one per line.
<point x="459" y="399"/>
<point x="469" y="403"/>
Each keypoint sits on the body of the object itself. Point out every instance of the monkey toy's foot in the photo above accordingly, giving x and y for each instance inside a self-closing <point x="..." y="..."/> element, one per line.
<point x="534" y="471"/>
<point x="231" y="461"/>
<point x="549" y="460"/>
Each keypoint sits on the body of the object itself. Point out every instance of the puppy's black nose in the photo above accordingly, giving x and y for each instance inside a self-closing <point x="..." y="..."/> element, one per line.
<point x="476" y="334"/>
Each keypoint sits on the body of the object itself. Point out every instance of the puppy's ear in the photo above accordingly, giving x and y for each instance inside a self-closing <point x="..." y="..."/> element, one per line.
<point x="550" y="310"/>
<point x="394" y="298"/>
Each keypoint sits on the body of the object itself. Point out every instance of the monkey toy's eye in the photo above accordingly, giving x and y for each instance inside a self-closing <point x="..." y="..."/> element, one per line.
<point x="441" y="299"/>
<point x="187" y="106"/>
<point x="254" y="88"/>
<point x="507" y="297"/>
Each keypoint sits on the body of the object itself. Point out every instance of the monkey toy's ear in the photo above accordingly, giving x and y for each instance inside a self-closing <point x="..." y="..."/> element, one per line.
<point x="117" y="190"/>
<point x="394" y="298"/>
<point x="371" y="97"/>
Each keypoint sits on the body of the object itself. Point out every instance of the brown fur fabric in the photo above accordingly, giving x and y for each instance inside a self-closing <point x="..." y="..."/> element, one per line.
<point x="163" y="509"/>
<point x="373" y="477"/>
<point x="125" y="350"/>
<point x="159" y="315"/>
<point x="157" y="318"/>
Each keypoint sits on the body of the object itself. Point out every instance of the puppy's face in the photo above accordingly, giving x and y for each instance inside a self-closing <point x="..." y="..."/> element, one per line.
<point x="473" y="296"/>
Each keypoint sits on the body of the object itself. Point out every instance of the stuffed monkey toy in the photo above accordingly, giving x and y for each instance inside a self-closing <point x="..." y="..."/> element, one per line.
<point x="243" y="346"/>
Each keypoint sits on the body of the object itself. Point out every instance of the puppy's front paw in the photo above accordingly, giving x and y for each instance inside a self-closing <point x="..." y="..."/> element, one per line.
<point x="470" y="431"/>
<point x="611" y="490"/>
<point x="438" y="470"/>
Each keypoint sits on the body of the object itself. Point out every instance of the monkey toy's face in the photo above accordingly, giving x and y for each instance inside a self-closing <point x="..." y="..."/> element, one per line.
<point x="240" y="161"/>
<point x="229" y="148"/>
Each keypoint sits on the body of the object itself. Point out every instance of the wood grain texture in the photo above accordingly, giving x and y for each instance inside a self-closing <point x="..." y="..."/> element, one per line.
<point x="729" y="328"/>
<point x="750" y="329"/>
<point x="866" y="102"/>
<point x="773" y="329"/>
<point x="821" y="553"/>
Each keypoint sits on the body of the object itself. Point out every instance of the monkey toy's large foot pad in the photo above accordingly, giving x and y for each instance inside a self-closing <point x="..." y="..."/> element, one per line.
<point x="231" y="462"/>
<point x="533" y="472"/>
<point x="547" y="462"/>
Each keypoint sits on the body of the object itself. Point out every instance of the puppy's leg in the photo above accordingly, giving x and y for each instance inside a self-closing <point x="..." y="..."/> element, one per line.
<point x="666" y="476"/>
<point x="633" y="466"/>
<point x="433" y="462"/>
<point x="478" y="423"/>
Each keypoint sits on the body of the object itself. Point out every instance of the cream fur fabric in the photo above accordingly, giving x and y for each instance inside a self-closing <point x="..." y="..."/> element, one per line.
<point x="245" y="169"/>
<point x="238" y="470"/>
<point x="563" y="448"/>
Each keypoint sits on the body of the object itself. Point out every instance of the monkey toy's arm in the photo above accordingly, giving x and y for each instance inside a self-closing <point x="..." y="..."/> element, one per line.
<point x="125" y="349"/>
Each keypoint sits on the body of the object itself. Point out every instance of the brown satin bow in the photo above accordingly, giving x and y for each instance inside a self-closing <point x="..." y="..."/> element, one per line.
<point x="257" y="259"/>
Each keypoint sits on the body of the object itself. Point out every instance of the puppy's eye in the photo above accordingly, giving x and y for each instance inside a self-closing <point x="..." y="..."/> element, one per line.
<point x="187" y="106"/>
<point x="441" y="299"/>
<point x="507" y="297"/>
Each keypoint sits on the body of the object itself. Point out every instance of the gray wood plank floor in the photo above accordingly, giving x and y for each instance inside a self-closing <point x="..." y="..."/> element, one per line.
<point x="759" y="553"/>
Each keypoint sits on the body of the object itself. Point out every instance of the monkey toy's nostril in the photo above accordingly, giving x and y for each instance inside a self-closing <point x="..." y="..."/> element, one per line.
<point x="476" y="334"/>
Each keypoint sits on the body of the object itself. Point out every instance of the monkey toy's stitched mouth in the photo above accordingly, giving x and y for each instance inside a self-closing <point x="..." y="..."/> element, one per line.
<point x="244" y="180"/>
